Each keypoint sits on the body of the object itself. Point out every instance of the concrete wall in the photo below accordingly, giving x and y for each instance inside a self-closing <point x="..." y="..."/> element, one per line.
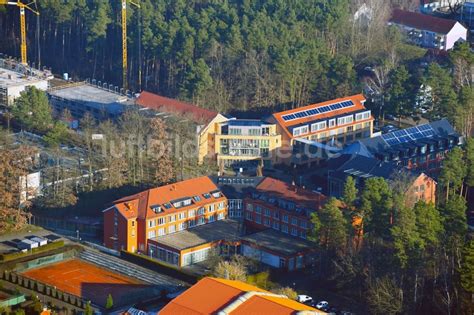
<point x="15" y="90"/>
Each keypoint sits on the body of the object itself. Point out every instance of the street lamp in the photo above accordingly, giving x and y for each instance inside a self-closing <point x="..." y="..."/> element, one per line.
<point x="77" y="235"/>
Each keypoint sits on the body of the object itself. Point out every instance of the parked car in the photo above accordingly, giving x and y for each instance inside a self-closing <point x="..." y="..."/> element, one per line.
<point x="304" y="298"/>
<point x="389" y="117"/>
<point x="322" y="305"/>
<point x="388" y="128"/>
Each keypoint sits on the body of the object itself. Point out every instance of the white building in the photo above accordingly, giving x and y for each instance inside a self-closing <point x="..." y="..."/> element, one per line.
<point x="15" y="78"/>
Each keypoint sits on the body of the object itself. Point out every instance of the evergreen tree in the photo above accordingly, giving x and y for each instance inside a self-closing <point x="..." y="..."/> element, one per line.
<point x="377" y="207"/>
<point x="350" y="192"/>
<point x="467" y="268"/>
<point x="88" y="310"/>
<point x="110" y="302"/>
<point x="333" y="231"/>
<point x="32" y="110"/>
<point x="453" y="172"/>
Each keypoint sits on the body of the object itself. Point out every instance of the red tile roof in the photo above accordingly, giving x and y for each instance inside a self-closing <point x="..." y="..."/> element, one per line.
<point x="211" y="295"/>
<point x="139" y="205"/>
<point x="422" y="21"/>
<point x="300" y="196"/>
<point x="172" y="106"/>
<point x="357" y="99"/>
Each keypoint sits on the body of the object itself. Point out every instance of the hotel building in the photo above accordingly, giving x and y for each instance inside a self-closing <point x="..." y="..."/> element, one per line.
<point x="154" y="213"/>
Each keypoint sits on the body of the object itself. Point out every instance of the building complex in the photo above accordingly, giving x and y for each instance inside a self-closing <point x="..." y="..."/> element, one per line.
<point x="333" y="122"/>
<point x="428" y="31"/>
<point x="16" y="78"/>
<point x="132" y="221"/>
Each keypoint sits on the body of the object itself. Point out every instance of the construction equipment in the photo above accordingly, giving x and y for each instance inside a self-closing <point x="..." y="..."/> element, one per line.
<point x="22" y="7"/>
<point x="124" y="41"/>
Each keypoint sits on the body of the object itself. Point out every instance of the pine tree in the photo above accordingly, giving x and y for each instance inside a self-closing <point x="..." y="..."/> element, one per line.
<point x="467" y="268"/>
<point x="350" y="192"/>
<point x="110" y="302"/>
<point x="32" y="110"/>
<point x="333" y="231"/>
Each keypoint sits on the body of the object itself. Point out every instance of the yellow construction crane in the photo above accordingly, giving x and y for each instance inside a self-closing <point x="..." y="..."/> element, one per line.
<point x="124" y="41"/>
<point x="22" y="7"/>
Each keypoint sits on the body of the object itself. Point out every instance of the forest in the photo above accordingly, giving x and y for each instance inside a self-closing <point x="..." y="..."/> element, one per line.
<point x="243" y="53"/>
<point x="238" y="55"/>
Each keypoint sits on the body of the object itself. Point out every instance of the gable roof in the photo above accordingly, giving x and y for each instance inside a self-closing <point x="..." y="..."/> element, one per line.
<point x="422" y="21"/>
<point x="211" y="295"/>
<point x="173" y="106"/>
<point x="358" y="105"/>
<point x="140" y="205"/>
<point x="300" y="196"/>
<point x="361" y="166"/>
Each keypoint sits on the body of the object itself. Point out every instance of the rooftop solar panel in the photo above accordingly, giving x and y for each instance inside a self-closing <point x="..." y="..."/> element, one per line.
<point x="392" y="141"/>
<point x="425" y="127"/>
<point x="319" y="110"/>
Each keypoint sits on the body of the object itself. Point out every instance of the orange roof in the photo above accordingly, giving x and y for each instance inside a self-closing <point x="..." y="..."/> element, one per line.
<point x="211" y="295"/>
<point x="169" y="105"/>
<point x="140" y="205"/>
<point x="300" y="196"/>
<point x="358" y="101"/>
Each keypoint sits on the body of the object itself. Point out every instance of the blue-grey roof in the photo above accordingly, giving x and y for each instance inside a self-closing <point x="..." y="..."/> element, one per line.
<point x="361" y="166"/>
<point x="246" y="122"/>
<point x="357" y="148"/>
<point x="439" y="129"/>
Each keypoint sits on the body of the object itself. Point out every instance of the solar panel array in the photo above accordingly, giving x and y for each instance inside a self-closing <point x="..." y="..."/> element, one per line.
<point x="318" y="110"/>
<point x="409" y="134"/>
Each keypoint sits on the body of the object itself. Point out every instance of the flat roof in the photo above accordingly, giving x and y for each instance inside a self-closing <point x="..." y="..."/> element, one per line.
<point x="92" y="96"/>
<point x="279" y="242"/>
<point x="220" y="230"/>
<point x="13" y="78"/>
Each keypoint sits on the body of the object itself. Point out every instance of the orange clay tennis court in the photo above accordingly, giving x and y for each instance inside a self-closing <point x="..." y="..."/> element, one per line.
<point x="86" y="280"/>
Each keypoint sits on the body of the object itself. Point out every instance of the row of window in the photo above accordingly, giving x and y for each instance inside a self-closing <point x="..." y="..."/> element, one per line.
<point x="184" y="225"/>
<point x="182" y="215"/>
<point x="285" y="218"/>
<point x="293" y="230"/>
<point x="331" y="123"/>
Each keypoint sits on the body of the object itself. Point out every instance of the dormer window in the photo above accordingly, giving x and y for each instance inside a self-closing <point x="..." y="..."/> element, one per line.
<point x="156" y="208"/>
<point x="207" y="195"/>
<point x="216" y="194"/>
<point x="197" y="198"/>
<point x="167" y="205"/>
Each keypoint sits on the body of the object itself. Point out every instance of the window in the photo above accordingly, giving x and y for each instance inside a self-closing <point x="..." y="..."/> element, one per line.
<point x="197" y="198"/>
<point x="300" y="130"/>
<point x="284" y="228"/>
<point x="276" y="225"/>
<point x="221" y="216"/>
<point x="151" y="223"/>
<point x="172" y="229"/>
<point x="285" y="218"/>
<point x="294" y="231"/>
<point x="266" y="221"/>
<point x="133" y="232"/>
<point x="249" y="207"/>
<point x="276" y="214"/>
<point x="362" y="116"/>
<point x="206" y="195"/>
<point x="212" y="218"/>
<point x="182" y="226"/>
<point x="191" y="213"/>
<point x="161" y="221"/>
<point x="172" y="218"/>
<point x="133" y="223"/>
<point x="211" y="208"/>
<point x="303" y="224"/>
<point x="161" y="232"/>
<point x="182" y="215"/>
<point x="267" y="212"/>
<point x="248" y="216"/>
<point x="201" y="221"/>
<point x="258" y="209"/>
<point x="220" y="205"/>
<point x="294" y="221"/>
<point x="344" y="120"/>
<point x="151" y="234"/>
<point x="192" y="223"/>
<point x="201" y="211"/>
<point x="332" y="123"/>
<point x="318" y="126"/>
<point x="258" y="219"/>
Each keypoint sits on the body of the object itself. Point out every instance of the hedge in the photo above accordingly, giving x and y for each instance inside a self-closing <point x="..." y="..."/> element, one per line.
<point x="44" y="248"/>
<point x="159" y="266"/>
